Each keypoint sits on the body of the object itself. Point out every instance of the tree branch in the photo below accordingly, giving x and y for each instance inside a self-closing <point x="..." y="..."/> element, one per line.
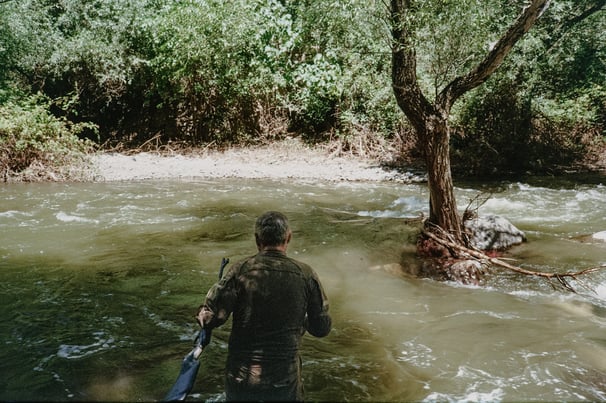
<point x="495" y="57"/>
<point x="598" y="6"/>
<point x="562" y="29"/>
<point x="406" y="88"/>
<point x="560" y="277"/>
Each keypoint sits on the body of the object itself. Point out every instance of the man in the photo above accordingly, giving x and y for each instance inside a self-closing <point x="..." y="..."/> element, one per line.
<point x="274" y="300"/>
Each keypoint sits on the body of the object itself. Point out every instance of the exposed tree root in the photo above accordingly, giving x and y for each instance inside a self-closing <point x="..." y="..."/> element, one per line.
<point x="460" y="250"/>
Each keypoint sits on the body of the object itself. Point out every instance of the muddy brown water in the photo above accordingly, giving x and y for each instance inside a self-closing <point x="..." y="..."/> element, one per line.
<point x="100" y="283"/>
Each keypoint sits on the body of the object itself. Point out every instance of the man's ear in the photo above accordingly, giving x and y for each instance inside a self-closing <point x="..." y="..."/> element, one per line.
<point x="288" y="237"/>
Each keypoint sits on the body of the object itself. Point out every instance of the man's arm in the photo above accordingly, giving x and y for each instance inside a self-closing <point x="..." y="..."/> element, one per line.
<point x="319" y="321"/>
<point x="219" y="302"/>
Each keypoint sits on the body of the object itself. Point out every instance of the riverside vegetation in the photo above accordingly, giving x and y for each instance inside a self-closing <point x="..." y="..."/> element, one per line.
<point x="76" y="77"/>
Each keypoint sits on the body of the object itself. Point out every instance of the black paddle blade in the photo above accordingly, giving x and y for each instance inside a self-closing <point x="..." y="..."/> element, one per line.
<point x="185" y="380"/>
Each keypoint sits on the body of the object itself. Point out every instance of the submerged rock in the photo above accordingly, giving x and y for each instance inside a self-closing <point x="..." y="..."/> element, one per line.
<point x="467" y="271"/>
<point x="464" y="271"/>
<point x="493" y="232"/>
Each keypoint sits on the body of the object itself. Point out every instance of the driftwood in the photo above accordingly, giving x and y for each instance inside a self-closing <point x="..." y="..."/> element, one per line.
<point x="461" y="250"/>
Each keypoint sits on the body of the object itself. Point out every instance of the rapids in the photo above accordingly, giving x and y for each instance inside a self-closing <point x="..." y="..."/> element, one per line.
<point x="100" y="283"/>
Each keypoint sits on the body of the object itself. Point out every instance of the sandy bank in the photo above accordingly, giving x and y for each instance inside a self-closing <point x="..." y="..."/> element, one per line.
<point x="286" y="161"/>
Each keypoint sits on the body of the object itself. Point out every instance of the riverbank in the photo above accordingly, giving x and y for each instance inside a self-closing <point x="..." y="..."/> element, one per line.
<point x="289" y="159"/>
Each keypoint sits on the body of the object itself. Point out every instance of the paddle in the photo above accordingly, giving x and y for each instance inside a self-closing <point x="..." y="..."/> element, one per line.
<point x="189" y="368"/>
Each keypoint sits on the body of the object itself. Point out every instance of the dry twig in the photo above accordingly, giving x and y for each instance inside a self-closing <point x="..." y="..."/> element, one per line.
<point x="468" y="212"/>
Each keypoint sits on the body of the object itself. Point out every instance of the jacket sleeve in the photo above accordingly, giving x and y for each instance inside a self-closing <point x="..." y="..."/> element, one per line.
<point x="319" y="321"/>
<point x="220" y="301"/>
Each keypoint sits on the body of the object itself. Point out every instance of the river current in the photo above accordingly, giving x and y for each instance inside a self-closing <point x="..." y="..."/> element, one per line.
<point x="100" y="283"/>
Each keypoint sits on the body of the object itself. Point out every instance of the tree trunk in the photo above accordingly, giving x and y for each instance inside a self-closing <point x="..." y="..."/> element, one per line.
<point x="430" y="124"/>
<point x="442" y="203"/>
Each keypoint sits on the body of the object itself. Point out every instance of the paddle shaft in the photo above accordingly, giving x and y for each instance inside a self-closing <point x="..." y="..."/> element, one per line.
<point x="189" y="368"/>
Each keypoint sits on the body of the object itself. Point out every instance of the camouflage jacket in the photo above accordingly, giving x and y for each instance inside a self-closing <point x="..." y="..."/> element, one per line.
<point x="274" y="299"/>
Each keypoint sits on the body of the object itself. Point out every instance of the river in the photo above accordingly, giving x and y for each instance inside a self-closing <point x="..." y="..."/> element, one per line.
<point x="100" y="282"/>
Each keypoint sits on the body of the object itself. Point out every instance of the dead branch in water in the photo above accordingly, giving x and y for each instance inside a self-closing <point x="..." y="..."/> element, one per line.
<point x="562" y="278"/>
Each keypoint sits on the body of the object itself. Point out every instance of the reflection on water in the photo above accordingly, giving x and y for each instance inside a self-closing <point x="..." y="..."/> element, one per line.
<point x="100" y="282"/>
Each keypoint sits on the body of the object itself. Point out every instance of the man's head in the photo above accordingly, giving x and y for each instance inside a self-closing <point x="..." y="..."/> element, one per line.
<point x="272" y="231"/>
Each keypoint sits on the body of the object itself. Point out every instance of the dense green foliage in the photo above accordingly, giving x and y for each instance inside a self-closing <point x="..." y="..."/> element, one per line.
<point x="35" y="145"/>
<point x="545" y="109"/>
<point x="202" y="71"/>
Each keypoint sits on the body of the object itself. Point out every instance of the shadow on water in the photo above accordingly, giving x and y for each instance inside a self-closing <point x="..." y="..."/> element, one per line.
<point x="563" y="181"/>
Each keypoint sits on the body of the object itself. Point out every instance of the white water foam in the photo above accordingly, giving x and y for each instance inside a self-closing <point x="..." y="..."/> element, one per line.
<point x="73" y="351"/>
<point x="600" y="291"/>
<point x="64" y="217"/>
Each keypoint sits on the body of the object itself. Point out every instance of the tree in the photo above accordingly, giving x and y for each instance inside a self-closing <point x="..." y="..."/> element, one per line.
<point x="430" y="119"/>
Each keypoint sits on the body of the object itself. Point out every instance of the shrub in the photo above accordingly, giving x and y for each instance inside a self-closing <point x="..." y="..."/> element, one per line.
<point x="35" y="145"/>
<point x="502" y="131"/>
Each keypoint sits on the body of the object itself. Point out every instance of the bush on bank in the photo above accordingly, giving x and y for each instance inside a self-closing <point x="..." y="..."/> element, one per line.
<point x="35" y="145"/>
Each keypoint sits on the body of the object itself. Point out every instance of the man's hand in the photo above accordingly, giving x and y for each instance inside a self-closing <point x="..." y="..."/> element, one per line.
<point x="204" y="336"/>
<point x="200" y="316"/>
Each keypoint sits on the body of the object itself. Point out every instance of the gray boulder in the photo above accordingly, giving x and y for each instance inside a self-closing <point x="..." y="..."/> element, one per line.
<point x="493" y="232"/>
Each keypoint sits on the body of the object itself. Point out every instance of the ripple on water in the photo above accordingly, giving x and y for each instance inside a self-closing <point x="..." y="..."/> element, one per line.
<point x="417" y="354"/>
<point x="102" y="342"/>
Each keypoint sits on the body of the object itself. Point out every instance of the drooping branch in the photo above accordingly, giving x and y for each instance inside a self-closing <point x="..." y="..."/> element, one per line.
<point x="495" y="57"/>
<point x="463" y="251"/>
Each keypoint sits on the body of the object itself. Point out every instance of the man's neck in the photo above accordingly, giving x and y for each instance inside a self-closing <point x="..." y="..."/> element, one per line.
<point x="275" y="248"/>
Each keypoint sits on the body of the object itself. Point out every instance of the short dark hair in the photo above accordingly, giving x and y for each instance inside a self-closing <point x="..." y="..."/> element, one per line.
<point x="271" y="229"/>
